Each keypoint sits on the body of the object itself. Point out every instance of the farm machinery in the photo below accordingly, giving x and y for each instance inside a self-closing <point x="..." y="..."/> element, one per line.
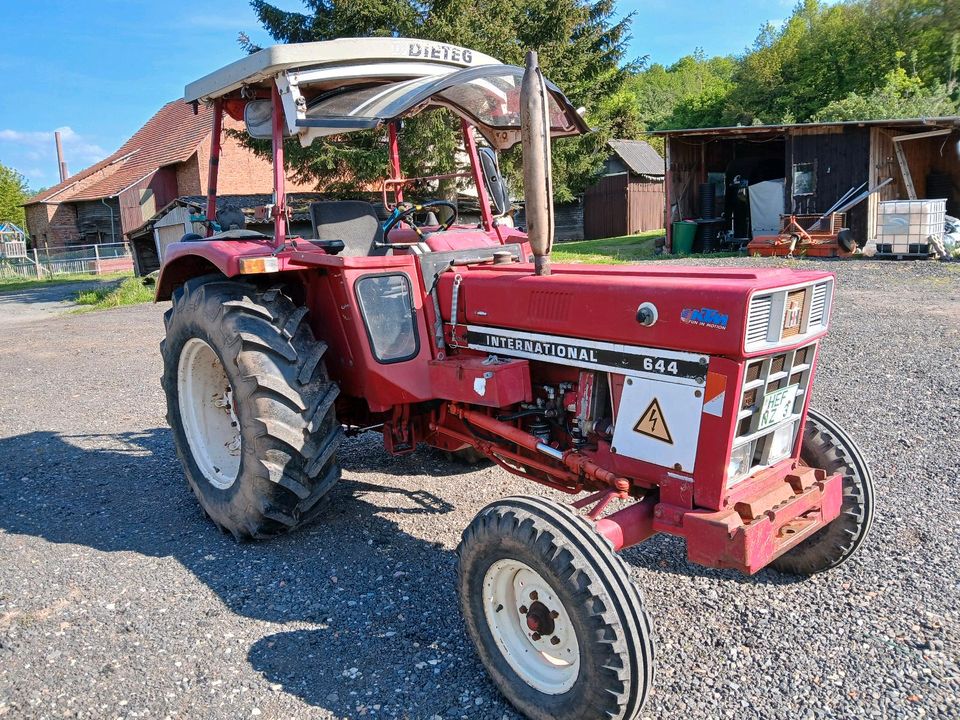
<point x="662" y="399"/>
<point x="807" y="236"/>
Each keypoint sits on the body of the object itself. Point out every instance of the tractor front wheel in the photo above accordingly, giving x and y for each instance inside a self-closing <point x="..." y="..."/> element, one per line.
<point x="554" y="616"/>
<point x="250" y="405"/>
<point x="825" y="445"/>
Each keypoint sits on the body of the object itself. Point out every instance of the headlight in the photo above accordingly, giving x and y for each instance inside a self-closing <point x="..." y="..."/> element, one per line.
<point x="741" y="459"/>
<point x="781" y="442"/>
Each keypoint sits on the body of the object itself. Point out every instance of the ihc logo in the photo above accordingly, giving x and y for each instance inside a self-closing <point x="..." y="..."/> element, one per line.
<point x="793" y="315"/>
<point x="705" y="317"/>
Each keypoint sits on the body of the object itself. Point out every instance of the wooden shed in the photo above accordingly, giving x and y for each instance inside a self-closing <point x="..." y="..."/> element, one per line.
<point x="629" y="197"/>
<point x="816" y="163"/>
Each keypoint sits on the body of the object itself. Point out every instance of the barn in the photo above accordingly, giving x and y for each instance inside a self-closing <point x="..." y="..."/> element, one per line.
<point x="805" y="169"/>
<point x="629" y="197"/>
<point x="165" y="159"/>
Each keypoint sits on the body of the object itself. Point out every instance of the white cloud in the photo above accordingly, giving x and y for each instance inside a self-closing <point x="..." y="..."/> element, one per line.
<point x="78" y="151"/>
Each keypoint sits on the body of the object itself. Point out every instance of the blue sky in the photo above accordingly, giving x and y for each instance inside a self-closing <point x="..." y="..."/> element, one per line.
<point x="98" y="69"/>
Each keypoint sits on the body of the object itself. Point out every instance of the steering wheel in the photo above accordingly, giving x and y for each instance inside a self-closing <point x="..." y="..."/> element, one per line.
<point x="399" y="215"/>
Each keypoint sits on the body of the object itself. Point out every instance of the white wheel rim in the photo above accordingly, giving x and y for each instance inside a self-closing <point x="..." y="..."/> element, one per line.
<point x="207" y="413"/>
<point x="517" y="602"/>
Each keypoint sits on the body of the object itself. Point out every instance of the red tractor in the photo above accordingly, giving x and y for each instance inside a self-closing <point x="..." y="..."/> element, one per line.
<point x="672" y="399"/>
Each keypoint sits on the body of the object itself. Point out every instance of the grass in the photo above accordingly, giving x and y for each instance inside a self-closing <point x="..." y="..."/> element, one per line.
<point x="628" y="248"/>
<point x="618" y="250"/>
<point x="131" y="291"/>
<point x="13" y="284"/>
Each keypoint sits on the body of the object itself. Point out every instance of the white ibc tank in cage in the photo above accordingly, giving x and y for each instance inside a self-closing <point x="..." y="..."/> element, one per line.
<point x="904" y="226"/>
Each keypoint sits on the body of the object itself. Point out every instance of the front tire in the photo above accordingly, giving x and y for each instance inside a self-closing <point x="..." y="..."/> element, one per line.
<point x="826" y="446"/>
<point x="554" y="616"/>
<point x="250" y="405"/>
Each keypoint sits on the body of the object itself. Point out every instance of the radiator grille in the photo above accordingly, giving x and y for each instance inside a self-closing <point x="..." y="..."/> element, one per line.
<point x="789" y="315"/>
<point x="818" y="304"/>
<point x="762" y="376"/>
<point x="758" y="319"/>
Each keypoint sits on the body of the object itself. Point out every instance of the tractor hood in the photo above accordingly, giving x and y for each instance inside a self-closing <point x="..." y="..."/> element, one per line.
<point x="701" y="310"/>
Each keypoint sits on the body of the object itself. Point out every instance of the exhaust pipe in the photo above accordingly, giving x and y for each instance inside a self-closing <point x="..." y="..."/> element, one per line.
<point x="537" y="172"/>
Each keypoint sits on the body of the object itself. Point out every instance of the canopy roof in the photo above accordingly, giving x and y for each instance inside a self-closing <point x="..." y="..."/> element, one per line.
<point x="345" y="58"/>
<point x="341" y="86"/>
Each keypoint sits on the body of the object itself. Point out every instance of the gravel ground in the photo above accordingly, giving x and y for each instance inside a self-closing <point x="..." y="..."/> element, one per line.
<point x="118" y="599"/>
<point x="43" y="301"/>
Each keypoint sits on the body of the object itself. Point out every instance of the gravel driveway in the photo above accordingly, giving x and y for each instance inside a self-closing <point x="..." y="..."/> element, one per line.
<point x="43" y="301"/>
<point x="119" y="600"/>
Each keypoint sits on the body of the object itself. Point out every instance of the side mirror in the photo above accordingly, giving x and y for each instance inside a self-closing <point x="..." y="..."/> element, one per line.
<point x="493" y="180"/>
<point x="258" y="117"/>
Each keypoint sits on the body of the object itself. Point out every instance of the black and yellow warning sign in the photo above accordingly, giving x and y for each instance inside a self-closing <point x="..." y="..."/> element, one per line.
<point x="652" y="423"/>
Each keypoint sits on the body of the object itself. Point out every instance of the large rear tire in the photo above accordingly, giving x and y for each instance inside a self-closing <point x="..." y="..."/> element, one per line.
<point x="826" y="446"/>
<point x="557" y="622"/>
<point x="250" y="405"/>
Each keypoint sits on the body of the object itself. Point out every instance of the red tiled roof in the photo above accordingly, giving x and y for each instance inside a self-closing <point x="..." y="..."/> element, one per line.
<point x="170" y="136"/>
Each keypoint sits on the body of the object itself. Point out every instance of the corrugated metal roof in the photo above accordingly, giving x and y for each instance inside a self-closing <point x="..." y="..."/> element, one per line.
<point x="171" y="136"/>
<point x="639" y="156"/>
<point x="748" y="129"/>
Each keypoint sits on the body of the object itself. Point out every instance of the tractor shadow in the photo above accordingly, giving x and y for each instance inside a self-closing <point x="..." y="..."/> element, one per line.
<point x="365" y="454"/>
<point x="381" y="602"/>
<point x="666" y="554"/>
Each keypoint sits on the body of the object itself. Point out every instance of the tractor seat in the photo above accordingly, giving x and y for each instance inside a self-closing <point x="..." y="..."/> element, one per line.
<point x="355" y="222"/>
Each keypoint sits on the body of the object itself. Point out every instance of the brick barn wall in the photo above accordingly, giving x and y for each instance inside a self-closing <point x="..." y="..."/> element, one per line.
<point x="188" y="177"/>
<point x="53" y="225"/>
<point x="63" y="226"/>
<point x="241" y="172"/>
<point x="38" y="220"/>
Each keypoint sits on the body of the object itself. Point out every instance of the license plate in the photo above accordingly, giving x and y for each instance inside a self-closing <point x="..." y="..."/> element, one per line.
<point x="777" y="406"/>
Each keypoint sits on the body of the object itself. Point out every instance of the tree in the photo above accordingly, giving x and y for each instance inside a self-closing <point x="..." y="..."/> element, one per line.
<point x="690" y="93"/>
<point x="13" y="193"/>
<point x="903" y="95"/>
<point x="580" y="45"/>
<point x="827" y="53"/>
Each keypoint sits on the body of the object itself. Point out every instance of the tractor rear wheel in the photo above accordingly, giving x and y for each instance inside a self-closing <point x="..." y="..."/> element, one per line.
<point x="551" y="609"/>
<point x="825" y="445"/>
<point x="250" y="405"/>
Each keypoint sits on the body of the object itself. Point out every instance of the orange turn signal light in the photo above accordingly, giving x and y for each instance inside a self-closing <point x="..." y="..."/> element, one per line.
<point x="254" y="265"/>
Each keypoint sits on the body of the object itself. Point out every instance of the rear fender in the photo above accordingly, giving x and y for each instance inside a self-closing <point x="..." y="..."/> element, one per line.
<point x="175" y="273"/>
<point x="183" y="261"/>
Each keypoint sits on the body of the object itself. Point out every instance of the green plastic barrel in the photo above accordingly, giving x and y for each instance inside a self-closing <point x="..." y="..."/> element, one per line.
<point x="683" y="234"/>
